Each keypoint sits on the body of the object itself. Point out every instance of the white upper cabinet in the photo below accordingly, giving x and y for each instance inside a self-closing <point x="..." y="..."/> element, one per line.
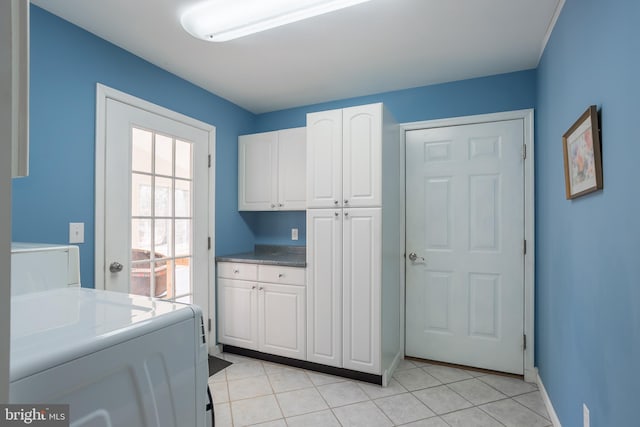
<point x="271" y="171"/>
<point x="257" y="165"/>
<point x="344" y="150"/>
<point x="292" y="172"/>
<point x="324" y="159"/>
<point x="14" y="82"/>
<point x="361" y="156"/>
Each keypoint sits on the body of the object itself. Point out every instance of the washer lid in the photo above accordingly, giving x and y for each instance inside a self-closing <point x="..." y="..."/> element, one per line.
<point x="55" y="326"/>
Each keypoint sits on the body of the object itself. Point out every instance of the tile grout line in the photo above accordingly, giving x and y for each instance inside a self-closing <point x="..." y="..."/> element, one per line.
<point x="371" y="399"/>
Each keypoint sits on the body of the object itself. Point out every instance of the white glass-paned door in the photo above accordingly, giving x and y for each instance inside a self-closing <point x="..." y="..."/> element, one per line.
<point x="156" y="206"/>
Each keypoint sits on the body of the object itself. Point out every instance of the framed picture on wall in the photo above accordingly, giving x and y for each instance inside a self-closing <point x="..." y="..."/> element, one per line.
<point x="582" y="160"/>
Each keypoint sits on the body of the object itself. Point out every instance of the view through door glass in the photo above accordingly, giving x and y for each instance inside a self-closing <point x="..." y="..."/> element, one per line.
<point x="161" y="216"/>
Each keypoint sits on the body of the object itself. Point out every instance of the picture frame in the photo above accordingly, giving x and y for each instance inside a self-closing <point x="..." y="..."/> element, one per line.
<point x="582" y="155"/>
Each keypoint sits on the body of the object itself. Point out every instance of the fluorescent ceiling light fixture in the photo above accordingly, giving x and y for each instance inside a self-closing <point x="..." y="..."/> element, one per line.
<point x="222" y="20"/>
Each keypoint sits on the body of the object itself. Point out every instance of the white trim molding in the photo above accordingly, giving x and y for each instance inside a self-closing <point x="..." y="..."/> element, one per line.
<point x="527" y="116"/>
<point x="547" y="402"/>
<point x="102" y="94"/>
<point x="552" y="24"/>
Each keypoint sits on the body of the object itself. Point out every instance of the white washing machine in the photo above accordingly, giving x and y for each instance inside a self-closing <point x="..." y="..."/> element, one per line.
<point x="116" y="359"/>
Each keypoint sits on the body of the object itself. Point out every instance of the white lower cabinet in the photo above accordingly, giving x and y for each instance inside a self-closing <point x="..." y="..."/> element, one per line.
<point x="361" y="292"/>
<point x="264" y="316"/>
<point x="324" y="286"/>
<point x="281" y="320"/>
<point x="344" y="255"/>
<point x="238" y="313"/>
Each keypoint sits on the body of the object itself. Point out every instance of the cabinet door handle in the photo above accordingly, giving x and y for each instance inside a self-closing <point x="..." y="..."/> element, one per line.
<point x="337" y="214"/>
<point x="280" y="275"/>
<point x="253" y="287"/>
<point x="273" y="205"/>
<point x="346" y="214"/>
<point x="236" y="271"/>
<point x="346" y="202"/>
<point x="280" y="205"/>
<point x="335" y="202"/>
<point x="260" y="288"/>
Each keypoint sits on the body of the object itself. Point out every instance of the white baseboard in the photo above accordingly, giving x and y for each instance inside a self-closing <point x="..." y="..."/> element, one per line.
<point x="547" y="403"/>
<point x="386" y="375"/>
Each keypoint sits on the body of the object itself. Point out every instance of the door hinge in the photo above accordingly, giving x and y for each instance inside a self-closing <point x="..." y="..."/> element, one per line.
<point x="524" y="340"/>
<point x="209" y="243"/>
<point x="209" y="160"/>
<point x="209" y="324"/>
<point x="524" y="246"/>
<point x="524" y="151"/>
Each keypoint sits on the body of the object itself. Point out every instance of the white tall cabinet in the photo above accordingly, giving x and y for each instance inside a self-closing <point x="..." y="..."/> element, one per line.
<point x="353" y="239"/>
<point x="271" y="170"/>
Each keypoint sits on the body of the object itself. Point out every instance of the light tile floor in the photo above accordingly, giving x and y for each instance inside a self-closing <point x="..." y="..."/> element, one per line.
<point x="255" y="393"/>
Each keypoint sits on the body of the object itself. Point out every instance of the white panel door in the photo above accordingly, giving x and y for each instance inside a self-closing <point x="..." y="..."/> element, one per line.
<point x="257" y="176"/>
<point x="362" y="276"/>
<point x="292" y="169"/>
<point x="324" y="159"/>
<point x="465" y="225"/>
<point x="238" y="313"/>
<point x="156" y="206"/>
<point x="324" y="286"/>
<point x="281" y="314"/>
<point x="361" y="156"/>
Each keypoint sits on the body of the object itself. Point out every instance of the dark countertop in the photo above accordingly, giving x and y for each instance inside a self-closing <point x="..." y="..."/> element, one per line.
<point x="288" y="256"/>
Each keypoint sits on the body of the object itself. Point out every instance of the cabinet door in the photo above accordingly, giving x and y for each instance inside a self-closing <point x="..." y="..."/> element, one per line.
<point x="292" y="169"/>
<point x="281" y="313"/>
<point x="257" y="166"/>
<point x="324" y="159"/>
<point x="324" y="286"/>
<point x="237" y="313"/>
<point x="362" y="279"/>
<point x="361" y="156"/>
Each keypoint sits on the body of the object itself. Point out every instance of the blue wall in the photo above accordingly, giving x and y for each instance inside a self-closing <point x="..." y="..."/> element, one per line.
<point x="588" y="252"/>
<point x="66" y="64"/>
<point x="505" y="92"/>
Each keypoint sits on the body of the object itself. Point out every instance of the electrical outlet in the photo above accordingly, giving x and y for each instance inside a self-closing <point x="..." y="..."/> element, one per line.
<point x="585" y="415"/>
<point x="294" y="234"/>
<point x="76" y="232"/>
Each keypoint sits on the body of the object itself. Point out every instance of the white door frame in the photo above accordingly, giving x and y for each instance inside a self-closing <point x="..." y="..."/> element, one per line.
<point x="530" y="372"/>
<point x="102" y="94"/>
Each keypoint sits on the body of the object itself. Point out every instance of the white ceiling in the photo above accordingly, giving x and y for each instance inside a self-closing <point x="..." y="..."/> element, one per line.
<point x="374" y="47"/>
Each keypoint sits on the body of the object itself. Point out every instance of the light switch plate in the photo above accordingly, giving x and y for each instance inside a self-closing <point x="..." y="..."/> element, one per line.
<point x="76" y="232"/>
<point x="294" y="234"/>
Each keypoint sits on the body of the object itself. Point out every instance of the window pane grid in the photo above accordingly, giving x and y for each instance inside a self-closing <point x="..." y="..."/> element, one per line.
<point x="167" y="266"/>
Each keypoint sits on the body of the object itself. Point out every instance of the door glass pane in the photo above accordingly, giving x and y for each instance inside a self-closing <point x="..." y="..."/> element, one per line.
<point x="164" y="155"/>
<point x="163" y="197"/>
<point x="183" y="237"/>
<point x="141" y="150"/>
<point x="183" y="276"/>
<point x="164" y="279"/>
<point x="140" y="195"/>
<point x="183" y="159"/>
<point x="183" y="198"/>
<point x="140" y="283"/>
<point x="140" y="236"/>
<point x="163" y="239"/>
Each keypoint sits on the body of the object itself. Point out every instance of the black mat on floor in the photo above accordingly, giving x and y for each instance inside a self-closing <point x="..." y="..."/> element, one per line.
<point x="216" y="365"/>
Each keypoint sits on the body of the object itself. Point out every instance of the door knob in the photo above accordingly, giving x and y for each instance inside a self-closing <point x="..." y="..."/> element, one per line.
<point x="414" y="257"/>
<point x="115" y="267"/>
